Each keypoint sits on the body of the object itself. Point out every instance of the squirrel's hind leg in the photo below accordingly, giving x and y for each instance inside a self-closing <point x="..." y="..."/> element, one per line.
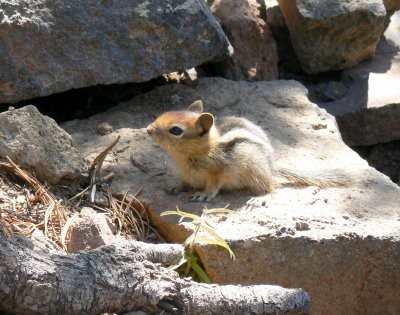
<point x="263" y="187"/>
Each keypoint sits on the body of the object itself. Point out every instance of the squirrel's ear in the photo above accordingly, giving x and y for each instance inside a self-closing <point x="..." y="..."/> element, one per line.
<point x="196" y="106"/>
<point x="205" y="122"/>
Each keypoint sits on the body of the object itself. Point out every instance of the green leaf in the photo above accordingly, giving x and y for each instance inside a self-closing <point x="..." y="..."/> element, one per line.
<point x="201" y="274"/>
<point x="190" y="259"/>
<point x="219" y="210"/>
<point x="182" y="214"/>
<point x="188" y="241"/>
<point x="221" y="243"/>
<point x="213" y="233"/>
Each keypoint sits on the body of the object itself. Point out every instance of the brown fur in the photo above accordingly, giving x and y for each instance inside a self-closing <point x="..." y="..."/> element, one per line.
<point x="210" y="161"/>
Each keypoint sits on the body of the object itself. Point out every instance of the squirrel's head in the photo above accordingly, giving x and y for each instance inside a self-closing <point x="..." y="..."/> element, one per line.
<point x="183" y="131"/>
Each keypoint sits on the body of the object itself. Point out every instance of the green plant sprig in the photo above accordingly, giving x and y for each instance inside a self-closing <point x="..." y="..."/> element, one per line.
<point x="191" y="261"/>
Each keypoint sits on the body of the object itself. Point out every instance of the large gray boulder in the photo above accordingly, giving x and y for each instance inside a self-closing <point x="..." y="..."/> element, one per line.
<point x="50" y="46"/>
<point x="334" y="34"/>
<point x="338" y="243"/>
<point x="38" y="144"/>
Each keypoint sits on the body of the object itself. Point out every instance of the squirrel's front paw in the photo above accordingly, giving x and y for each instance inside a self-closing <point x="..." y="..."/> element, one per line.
<point x="200" y="196"/>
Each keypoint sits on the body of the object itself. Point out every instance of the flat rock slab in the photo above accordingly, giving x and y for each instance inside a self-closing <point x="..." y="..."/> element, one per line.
<point x="369" y="112"/>
<point x="50" y="46"/>
<point x="339" y="243"/>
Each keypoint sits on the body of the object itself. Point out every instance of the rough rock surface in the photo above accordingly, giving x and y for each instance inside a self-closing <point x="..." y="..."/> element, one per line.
<point x="90" y="230"/>
<point x="371" y="125"/>
<point x="369" y="111"/>
<point x="50" y="46"/>
<point x="36" y="142"/>
<point x="255" y="54"/>
<point x="288" y="62"/>
<point x="273" y="14"/>
<point x="333" y="35"/>
<point x="39" y="279"/>
<point x="339" y="243"/>
<point x="391" y="5"/>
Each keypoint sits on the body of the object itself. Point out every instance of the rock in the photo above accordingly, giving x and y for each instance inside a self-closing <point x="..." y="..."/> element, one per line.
<point x="288" y="61"/>
<point x="362" y="250"/>
<point x="104" y="129"/>
<point x="369" y="112"/>
<point x="37" y="143"/>
<point x="255" y="53"/>
<point x="333" y="35"/>
<point x="332" y="90"/>
<point x="371" y="125"/>
<point x="302" y="226"/>
<point x="391" y="5"/>
<point x="52" y="46"/>
<point x="274" y="17"/>
<point x="90" y="230"/>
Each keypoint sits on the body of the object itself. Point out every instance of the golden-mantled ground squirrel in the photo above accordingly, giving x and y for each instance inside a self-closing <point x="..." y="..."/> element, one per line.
<point x="236" y="154"/>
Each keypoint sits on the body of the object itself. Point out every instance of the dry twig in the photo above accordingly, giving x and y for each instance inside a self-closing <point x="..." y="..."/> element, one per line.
<point x="132" y="216"/>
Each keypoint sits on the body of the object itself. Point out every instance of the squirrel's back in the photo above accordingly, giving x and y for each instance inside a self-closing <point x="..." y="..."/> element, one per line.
<point x="247" y="147"/>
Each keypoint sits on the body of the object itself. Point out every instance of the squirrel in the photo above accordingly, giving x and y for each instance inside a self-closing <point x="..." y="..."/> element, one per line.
<point x="235" y="154"/>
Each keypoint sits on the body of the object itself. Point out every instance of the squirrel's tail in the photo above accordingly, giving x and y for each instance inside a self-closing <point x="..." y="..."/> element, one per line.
<point x="322" y="179"/>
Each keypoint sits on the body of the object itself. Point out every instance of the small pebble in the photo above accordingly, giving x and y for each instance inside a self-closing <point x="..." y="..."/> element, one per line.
<point x="284" y="230"/>
<point x="302" y="226"/>
<point x="104" y="129"/>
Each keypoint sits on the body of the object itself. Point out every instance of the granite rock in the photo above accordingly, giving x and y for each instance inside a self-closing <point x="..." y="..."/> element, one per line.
<point x="51" y="46"/>
<point x="38" y="144"/>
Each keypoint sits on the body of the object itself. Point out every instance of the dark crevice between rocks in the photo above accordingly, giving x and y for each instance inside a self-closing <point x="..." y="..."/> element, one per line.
<point x="85" y="102"/>
<point x="384" y="157"/>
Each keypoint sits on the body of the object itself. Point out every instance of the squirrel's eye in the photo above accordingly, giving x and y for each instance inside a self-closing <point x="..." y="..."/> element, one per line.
<point x="176" y="131"/>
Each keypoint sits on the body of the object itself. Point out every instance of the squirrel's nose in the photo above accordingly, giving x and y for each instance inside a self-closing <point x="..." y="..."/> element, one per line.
<point x="150" y="129"/>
